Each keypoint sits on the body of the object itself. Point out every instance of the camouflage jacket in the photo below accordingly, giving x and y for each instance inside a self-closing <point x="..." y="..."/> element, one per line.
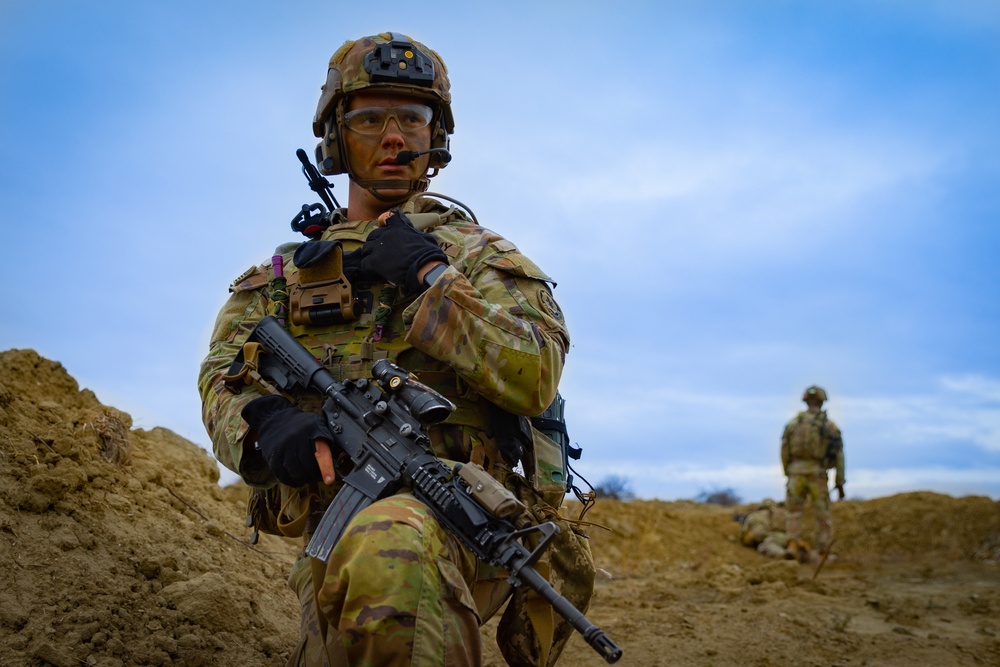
<point x="804" y="444"/>
<point x="487" y="331"/>
<point x="760" y="523"/>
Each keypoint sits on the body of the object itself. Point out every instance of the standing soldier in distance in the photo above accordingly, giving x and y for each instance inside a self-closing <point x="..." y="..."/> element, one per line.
<point x="459" y="307"/>
<point x="810" y="445"/>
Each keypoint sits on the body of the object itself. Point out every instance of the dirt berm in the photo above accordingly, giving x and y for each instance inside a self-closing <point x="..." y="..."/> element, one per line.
<point x="119" y="548"/>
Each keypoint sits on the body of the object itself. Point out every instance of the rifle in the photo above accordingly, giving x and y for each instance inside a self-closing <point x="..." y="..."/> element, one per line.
<point x="379" y="426"/>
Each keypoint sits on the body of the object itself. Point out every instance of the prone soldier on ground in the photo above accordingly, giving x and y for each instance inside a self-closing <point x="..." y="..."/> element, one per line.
<point x="763" y="529"/>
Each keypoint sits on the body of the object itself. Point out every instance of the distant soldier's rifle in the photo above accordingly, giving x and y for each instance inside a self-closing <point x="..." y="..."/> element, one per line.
<point x="379" y="426"/>
<point x="822" y="561"/>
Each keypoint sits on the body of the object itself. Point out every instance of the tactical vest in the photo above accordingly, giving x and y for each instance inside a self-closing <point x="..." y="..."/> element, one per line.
<point x="350" y="349"/>
<point x="808" y="439"/>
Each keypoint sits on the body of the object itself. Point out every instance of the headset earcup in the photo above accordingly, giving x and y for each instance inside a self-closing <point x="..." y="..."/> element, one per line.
<point x="440" y="139"/>
<point x="329" y="157"/>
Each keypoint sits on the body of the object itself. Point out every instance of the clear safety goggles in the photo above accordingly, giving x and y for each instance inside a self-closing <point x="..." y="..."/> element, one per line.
<point x="374" y="120"/>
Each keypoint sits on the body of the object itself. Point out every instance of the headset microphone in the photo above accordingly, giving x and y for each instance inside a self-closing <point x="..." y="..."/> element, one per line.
<point x="406" y="157"/>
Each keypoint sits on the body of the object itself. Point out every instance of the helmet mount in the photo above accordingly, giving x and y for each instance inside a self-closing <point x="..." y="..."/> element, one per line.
<point x="399" y="61"/>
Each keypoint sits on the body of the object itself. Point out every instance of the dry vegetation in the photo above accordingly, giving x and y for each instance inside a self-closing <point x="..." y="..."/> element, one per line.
<point x="121" y="549"/>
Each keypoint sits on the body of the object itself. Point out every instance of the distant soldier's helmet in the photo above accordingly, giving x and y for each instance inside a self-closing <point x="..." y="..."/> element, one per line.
<point x="385" y="63"/>
<point x="814" y="393"/>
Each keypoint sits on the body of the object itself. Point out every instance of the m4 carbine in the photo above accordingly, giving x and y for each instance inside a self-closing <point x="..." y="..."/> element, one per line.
<point x="379" y="426"/>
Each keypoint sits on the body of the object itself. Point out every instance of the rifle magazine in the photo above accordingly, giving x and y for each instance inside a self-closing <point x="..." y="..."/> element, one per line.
<point x="345" y="506"/>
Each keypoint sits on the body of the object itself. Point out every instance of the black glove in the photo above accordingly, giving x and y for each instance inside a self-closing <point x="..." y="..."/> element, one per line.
<point x="314" y="252"/>
<point x="840" y="491"/>
<point x="285" y="437"/>
<point x="398" y="250"/>
<point x="353" y="271"/>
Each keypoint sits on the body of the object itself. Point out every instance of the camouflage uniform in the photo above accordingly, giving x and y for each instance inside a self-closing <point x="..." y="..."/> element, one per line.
<point x="804" y="446"/>
<point x="398" y="589"/>
<point x="764" y="530"/>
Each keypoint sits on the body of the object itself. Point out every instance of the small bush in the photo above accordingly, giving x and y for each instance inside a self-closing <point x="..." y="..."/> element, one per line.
<point x="725" y="497"/>
<point x="615" y="488"/>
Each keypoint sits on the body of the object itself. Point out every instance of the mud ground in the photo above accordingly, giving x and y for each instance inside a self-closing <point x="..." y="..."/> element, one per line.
<point x="119" y="548"/>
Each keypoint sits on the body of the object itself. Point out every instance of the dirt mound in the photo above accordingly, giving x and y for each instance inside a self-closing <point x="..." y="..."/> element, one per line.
<point x="121" y="549"/>
<point x="115" y="541"/>
<point x="915" y="581"/>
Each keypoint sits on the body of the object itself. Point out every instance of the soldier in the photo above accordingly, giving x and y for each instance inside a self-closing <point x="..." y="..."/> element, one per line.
<point x="810" y="445"/>
<point x="459" y="307"/>
<point x="764" y="529"/>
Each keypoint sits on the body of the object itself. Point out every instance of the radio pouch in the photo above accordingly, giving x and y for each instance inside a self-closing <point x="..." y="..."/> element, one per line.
<point x="322" y="294"/>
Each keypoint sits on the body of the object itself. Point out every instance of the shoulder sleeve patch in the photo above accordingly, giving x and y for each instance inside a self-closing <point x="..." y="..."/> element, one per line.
<point x="550" y="306"/>
<point x="253" y="278"/>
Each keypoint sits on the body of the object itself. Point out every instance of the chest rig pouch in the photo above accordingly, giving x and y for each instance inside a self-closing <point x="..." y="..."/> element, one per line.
<point x="322" y="295"/>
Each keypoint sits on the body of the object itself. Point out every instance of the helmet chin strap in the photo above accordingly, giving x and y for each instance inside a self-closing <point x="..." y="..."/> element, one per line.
<point x="412" y="187"/>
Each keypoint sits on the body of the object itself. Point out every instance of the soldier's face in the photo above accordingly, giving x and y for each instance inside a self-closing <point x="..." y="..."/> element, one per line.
<point x="372" y="155"/>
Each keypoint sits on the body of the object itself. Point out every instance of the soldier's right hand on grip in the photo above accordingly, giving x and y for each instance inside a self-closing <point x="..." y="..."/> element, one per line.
<point x="286" y="438"/>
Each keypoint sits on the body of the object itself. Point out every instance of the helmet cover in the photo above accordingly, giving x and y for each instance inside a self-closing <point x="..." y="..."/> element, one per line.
<point x="814" y="393"/>
<point x="391" y="63"/>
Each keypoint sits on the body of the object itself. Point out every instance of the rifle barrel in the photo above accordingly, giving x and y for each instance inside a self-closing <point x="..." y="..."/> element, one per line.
<point x="594" y="636"/>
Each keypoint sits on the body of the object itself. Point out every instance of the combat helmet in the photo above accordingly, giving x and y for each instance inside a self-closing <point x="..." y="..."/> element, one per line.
<point x="814" y="393"/>
<point x="392" y="63"/>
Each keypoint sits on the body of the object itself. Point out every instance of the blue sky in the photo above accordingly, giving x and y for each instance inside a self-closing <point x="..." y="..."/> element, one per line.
<point x="737" y="199"/>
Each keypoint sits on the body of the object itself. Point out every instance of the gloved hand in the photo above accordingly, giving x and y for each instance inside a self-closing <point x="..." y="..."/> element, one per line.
<point x="840" y="491"/>
<point x="286" y="438"/>
<point x="354" y="272"/>
<point x="397" y="251"/>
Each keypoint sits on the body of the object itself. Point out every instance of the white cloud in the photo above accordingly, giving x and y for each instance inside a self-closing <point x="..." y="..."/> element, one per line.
<point x="750" y="194"/>
<point x="966" y="409"/>
<point x="976" y="387"/>
<point x="755" y="482"/>
<point x="867" y="483"/>
<point x="762" y="178"/>
<point x="674" y="441"/>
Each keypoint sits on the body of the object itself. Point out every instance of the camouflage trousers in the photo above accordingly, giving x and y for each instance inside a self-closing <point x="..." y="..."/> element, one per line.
<point x="398" y="590"/>
<point x="774" y="545"/>
<point x="800" y="490"/>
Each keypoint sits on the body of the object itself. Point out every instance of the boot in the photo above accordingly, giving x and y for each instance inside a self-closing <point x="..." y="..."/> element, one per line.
<point x="792" y="551"/>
